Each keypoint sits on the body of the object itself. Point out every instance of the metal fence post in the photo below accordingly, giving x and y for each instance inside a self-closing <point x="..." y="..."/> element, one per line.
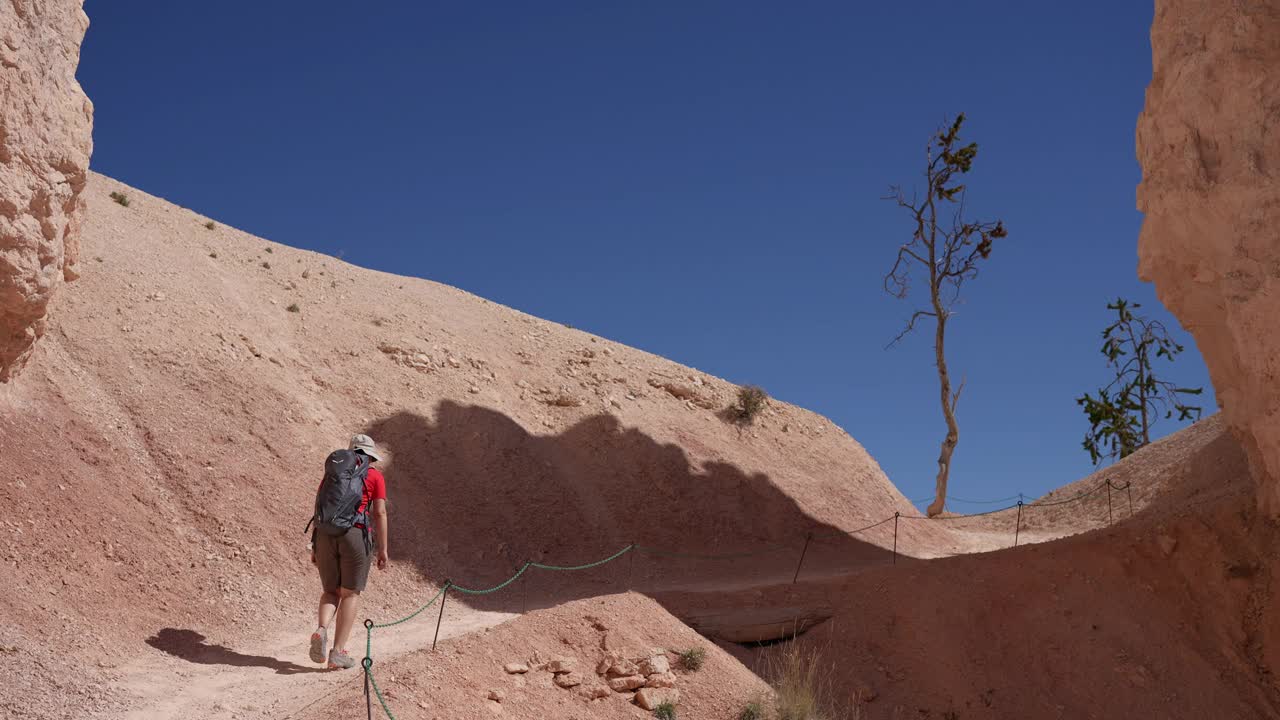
<point x="1110" y="518"/>
<point x="367" y="664"/>
<point x="524" y="588"/>
<point x="631" y="566"/>
<point x="803" y="552"/>
<point x="443" y="598"/>
<point x="1017" y="528"/>
<point x="895" y="537"/>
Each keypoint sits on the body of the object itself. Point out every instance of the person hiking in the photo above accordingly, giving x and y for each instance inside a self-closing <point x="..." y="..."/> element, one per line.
<point x="352" y="496"/>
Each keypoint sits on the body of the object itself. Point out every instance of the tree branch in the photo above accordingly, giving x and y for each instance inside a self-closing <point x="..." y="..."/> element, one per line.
<point x="911" y="325"/>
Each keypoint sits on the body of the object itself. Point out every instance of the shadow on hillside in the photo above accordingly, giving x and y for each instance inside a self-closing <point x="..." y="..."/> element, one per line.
<point x="473" y="495"/>
<point x="192" y="647"/>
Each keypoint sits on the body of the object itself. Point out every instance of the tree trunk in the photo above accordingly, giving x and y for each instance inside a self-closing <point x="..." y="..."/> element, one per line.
<point x="949" y="413"/>
<point x="1140" y="353"/>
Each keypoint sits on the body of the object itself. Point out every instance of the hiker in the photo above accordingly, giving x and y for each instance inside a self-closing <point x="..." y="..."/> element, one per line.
<point x="352" y="494"/>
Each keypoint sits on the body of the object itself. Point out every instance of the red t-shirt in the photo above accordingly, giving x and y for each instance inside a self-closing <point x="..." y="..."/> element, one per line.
<point x="375" y="488"/>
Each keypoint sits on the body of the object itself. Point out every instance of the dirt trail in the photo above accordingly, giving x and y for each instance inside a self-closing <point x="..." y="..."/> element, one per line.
<point x="196" y="677"/>
<point x="274" y="679"/>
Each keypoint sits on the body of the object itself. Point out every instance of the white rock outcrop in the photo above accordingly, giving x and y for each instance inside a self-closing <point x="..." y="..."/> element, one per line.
<point x="45" y="142"/>
<point x="1209" y="145"/>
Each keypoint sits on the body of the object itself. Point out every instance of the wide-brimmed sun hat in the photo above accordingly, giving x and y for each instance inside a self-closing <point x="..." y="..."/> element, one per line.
<point x="364" y="444"/>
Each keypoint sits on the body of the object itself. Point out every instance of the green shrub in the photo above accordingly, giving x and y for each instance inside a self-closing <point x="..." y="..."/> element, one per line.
<point x="693" y="658"/>
<point x="753" y="711"/>
<point x="211" y="225"/>
<point x="269" y="249"/>
<point x="120" y="198"/>
<point x="751" y="400"/>
<point x="665" y="711"/>
<point x="294" y="308"/>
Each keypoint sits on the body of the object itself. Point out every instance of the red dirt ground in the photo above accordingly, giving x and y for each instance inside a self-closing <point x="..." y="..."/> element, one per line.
<point x="170" y="427"/>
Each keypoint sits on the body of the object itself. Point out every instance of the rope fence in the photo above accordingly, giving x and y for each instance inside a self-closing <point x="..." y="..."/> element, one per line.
<point x="372" y="691"/>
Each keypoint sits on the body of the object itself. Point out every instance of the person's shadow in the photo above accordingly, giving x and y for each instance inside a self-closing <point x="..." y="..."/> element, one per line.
<point x="193" y="647"/>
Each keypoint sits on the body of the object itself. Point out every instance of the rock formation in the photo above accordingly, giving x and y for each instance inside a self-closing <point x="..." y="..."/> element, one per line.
<point x="1209" y="144"/>
<point x="45" y="124"/>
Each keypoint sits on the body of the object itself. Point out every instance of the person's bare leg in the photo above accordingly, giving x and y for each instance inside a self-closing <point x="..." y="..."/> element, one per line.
<point x="328" y="606"/>
<point x="320" y="638"/>
<point x="348" y="605"/>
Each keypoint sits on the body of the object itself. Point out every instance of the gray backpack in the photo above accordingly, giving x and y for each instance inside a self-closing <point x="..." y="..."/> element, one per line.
<point x="340" y="493"/>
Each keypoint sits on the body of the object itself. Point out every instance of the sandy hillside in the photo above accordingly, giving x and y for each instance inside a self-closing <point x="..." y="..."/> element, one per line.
<point x="172" y="424"/>
<point x="1168" y="614"/>
<point x="1170" y="472"/>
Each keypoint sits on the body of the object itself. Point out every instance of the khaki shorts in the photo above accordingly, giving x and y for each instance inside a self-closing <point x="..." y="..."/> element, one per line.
<point x="344" y="560"/>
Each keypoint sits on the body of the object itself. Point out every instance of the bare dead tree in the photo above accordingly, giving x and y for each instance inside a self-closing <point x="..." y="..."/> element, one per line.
<point x="946" y="248"/>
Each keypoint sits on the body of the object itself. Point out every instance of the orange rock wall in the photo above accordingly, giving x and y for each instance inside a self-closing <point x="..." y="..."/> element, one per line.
<point x="1209" y="144"/>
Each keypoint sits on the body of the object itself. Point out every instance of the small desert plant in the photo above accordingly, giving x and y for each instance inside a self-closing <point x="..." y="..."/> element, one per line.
<point x="294" y="308"/>
<point x="213" y="255"/>
<point x="665" y="711"/>
<point x="753" y="711"/>
<point x="211" y="225"/>
<point x="270" y="250"/>
<point x="751" y="400"/>
<point x="266" y="265"/>
<point x="120" y="198"/>
<point x="693" y="658"/>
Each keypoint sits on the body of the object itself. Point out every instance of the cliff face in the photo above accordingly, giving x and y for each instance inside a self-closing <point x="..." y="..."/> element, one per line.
<point x="45" y="142"/>
<point x="1209" y="145"/>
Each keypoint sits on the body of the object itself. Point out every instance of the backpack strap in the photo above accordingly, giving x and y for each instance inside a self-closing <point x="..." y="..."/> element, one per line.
<point x="362" y="470"/>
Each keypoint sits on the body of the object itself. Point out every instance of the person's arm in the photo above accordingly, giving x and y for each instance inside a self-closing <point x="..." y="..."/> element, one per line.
<point x="380" y="530"/>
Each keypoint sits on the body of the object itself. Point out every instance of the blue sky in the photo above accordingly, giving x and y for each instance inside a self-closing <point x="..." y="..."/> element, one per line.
<point x="698" y="179"/>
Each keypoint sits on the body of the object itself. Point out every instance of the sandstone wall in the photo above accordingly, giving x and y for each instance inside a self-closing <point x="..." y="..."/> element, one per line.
<point x="1209" y="144"/>
<point x="45" y="124"/>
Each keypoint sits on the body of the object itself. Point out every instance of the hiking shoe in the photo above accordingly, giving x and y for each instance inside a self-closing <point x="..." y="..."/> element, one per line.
<point x="319" y="643"/>
<point x="340" y="660"/>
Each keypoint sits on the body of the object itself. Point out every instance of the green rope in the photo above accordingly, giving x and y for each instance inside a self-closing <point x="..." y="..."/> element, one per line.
<point x="587" y="566"/>
<point x="495" y="588"/>
<point x="414" y="614"/>
<point x="378" y="692"/>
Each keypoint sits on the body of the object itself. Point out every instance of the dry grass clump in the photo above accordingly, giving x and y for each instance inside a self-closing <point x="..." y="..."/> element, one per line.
<point x="803" y="685"/>
<point x="120" y="198"/>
